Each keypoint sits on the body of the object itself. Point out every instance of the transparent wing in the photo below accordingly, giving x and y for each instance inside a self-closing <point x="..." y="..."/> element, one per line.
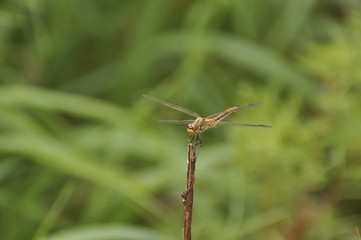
<point x="181" y="109"/>
<point x="242" y="124"/>
<point x="174" y="121"/>
<point x="221" y="115"/>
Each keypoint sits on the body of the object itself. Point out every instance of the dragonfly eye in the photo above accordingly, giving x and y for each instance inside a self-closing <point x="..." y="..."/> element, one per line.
<point x="201" y="128"/>
<point x="194" y="127"/>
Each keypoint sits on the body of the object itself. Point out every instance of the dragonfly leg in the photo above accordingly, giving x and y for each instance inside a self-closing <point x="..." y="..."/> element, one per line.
<point x="199" y="141"/>
<point x="196" y="139"/>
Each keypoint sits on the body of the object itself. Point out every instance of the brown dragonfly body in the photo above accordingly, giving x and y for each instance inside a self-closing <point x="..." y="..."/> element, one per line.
<point x="200" y="124"/>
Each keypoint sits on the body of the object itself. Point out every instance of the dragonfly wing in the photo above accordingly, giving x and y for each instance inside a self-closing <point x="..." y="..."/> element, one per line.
<point x="174" y="121"/>
<point x="181" y="109"/>
<point x="219" y="116"/>
<point x="241" y="124"/>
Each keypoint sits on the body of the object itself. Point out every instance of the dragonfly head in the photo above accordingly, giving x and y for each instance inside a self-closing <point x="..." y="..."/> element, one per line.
<point x="192" y="129"/>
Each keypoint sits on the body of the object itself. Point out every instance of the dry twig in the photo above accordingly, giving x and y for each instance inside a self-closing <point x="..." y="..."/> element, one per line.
<point x="187" y="195"/>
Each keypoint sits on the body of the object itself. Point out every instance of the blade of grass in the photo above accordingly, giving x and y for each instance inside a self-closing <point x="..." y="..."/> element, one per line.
<point x="50" y="100"/>
<point x="292" y="18"/>
<point x="109" y="232"/>
<point x="235" y="51"/>
<point x="58" y="156"/>
<point x="55" y="211"/>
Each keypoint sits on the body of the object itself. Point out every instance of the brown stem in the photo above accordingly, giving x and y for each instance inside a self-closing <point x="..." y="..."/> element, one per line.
<point x="187" y="195"/>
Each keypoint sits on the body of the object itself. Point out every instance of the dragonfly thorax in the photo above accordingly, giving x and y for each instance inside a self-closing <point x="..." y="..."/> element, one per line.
<point x="198" y="126"/>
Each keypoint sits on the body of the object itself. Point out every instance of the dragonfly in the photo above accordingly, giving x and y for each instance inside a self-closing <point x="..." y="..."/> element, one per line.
<point x="197" y="126"/>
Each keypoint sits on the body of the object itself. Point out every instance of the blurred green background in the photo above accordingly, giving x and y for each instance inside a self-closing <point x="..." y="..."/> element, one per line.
<point x="81" y="159"/>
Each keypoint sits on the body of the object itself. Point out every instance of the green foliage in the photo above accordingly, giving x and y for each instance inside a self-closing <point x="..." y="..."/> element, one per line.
<point x="80" y="158"/>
